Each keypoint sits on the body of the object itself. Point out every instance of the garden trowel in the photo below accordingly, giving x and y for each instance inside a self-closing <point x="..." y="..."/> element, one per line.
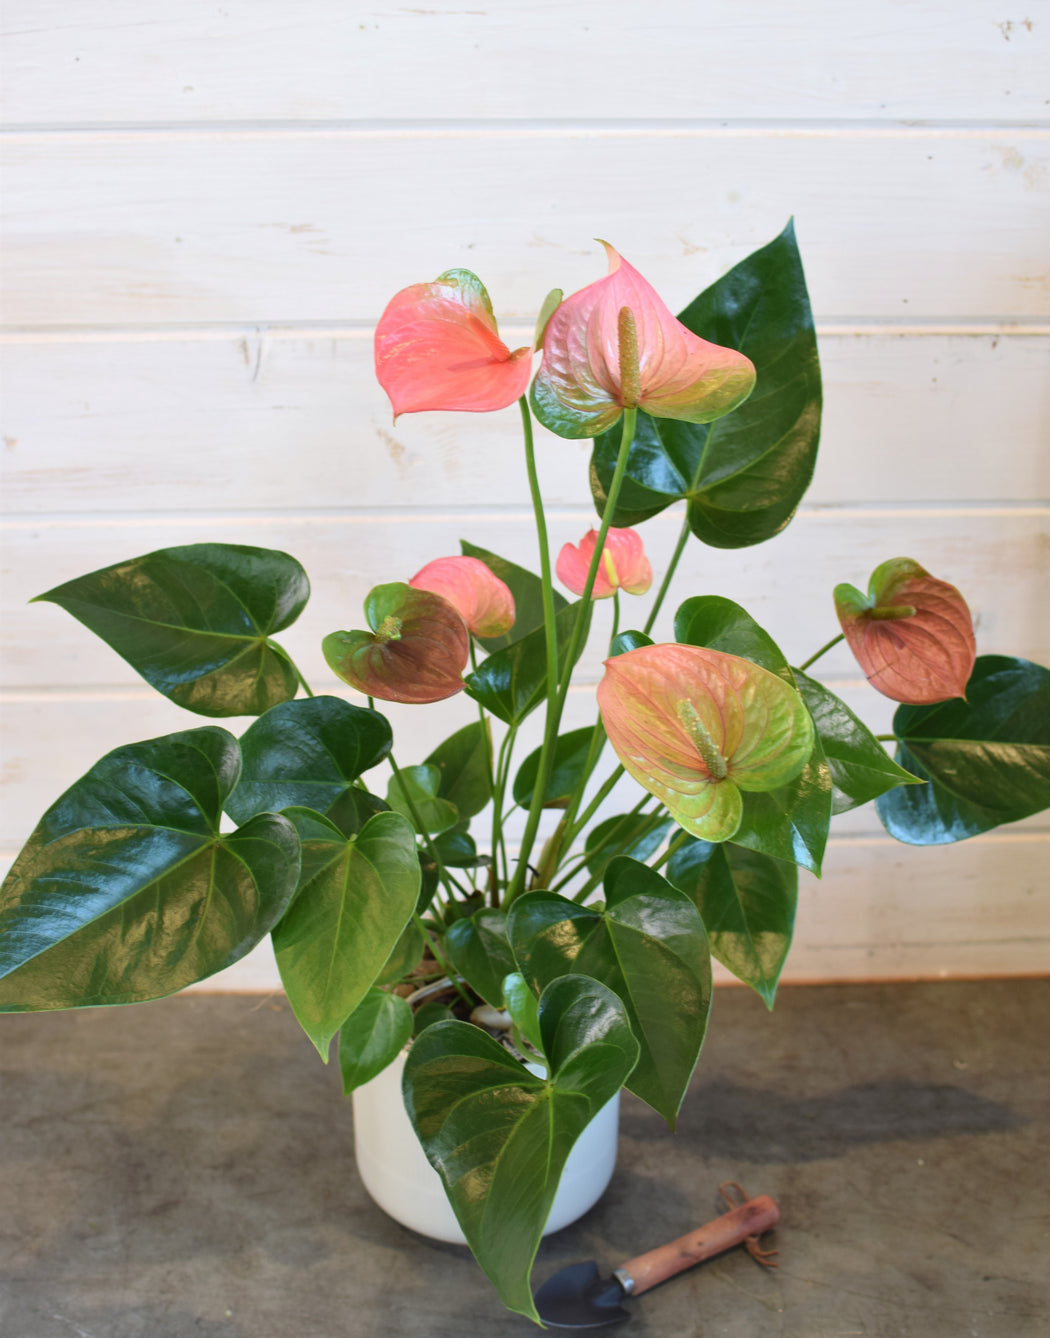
<point x="578" y="1298"/>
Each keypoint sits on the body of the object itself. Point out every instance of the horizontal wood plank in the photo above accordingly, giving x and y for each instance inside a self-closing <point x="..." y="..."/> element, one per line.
<point x="998" y="557"/>
<point x="107" y="229"/>
<point x="282" y="419"/>
<point x="137" y="60"/>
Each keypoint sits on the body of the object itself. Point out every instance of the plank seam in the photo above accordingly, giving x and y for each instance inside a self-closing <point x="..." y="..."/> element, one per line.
<point x="539" y="128"/>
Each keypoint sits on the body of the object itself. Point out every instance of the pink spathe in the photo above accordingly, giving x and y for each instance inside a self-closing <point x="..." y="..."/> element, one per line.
<point x="484" y="602"/>
<point x="623" y="564"/>
<point x="580" y="390"/>
<point x="437" y="347"/>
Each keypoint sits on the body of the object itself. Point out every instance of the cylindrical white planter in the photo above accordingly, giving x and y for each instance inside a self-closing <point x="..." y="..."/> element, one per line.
<point x="402" y="1182"/>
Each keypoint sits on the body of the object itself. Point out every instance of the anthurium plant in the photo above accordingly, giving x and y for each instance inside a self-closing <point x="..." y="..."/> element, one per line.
<point x="674" y="824"/>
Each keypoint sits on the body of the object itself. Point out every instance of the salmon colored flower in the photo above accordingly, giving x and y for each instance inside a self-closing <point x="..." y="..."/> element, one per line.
<point x="484" y="601"/>
<point x="623" y="565"/>
<point x="696" y="727"/>
<point x="597" y="360"/>
<point x="436" y="347"/>
<point x="911" y="634"/>
<point x="416" y="651"/>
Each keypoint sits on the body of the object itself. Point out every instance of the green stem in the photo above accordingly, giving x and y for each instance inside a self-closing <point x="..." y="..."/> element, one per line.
<point x="420" y="827"/>
<point x="823" y="651"/>
<point x="602" y="793"/>
<point x="665" y="584"/>
<point x="440" y="958"/>
<point x="555" y="706"/>
<point x="299" y="675"/>
<point x="887" y="738"/>
<point x="676" y="844"/>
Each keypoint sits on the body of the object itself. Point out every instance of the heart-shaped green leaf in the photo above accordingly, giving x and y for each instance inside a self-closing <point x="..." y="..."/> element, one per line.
<point x="649" y="947"/>
<point x="744" y="475"/>
<point x="416" y="651"/>
<point x="523" y="1006"/>
<point x="860" y="767"/>
<point x="635" y="834"/>
<point x="464" y="765"/>
<point x="513" y="682"/>
<point x="195" y="622"/>
<point x="986" y="760"/>
<point x="306" y="754"/>
<point x="372" y="1036"/>
<point x="128" y="891"/>
<point x="710" y="620"/>
<point x="747" y="903"/>
<point x="413" y="792"/>
<point x="479" y="951"/>
<point x="570" y="756"/>
<point x="498" y="1136"/>
<point x="354" y="899"/>
<point x="791" y="822"/>
<point x="626" y="641"/>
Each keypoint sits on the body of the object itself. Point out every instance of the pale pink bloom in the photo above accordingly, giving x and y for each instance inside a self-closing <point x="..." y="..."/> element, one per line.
<point x="912" y="634"/>
<point x="483" y="600"/>
<point x="436" y="347"/>
<point x="623" y="564"/>
<point x="670" y="372"/>
<point x="697" y="727"/>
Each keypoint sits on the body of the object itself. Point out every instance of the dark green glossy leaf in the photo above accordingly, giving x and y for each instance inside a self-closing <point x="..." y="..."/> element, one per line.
<point x="626" y="641"/>
<point x="719" y="624"/>
<point x="406" y="955"/>
<point x="416" y="788"/>
<point x="649" y="947"/>
<point x="128" y="891"/>
<point x="792" y="821"/>
<point x="570" y="755"/>
<point x="523" y="1006"/>
<point x="498" y="1136"/>
<point x="747" y="903"/>
<point x="860" y="767"/>
<point x="479" y="951"/>
<point x="527" y="590"/>
<point x="464" y="768"/>
<point x="986" y="758"/>
<point x="745" y="474"/>
<point x="195" y="622"/>
<point x="428" y="1015"/>
<point x="513" y="682"/>
<point x="372" y="1036"/>
<point x="354" y="899"/>
<point x="307" y="754"/>
<point x="635" y="834"/>
<point x="458" y="850"/>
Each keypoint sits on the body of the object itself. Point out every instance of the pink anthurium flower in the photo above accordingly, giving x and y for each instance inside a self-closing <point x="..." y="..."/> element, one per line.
<point x="436" y="347"/>
<point x="484" y="601"/>
<point x="416" y="651"/>
<point x="911" y="634"/>
<point x="614" y="345"/>
<point x="696" y="727"/>
<point x="623" y="565"/>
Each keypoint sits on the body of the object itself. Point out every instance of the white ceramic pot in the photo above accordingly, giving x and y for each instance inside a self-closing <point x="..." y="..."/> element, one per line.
<point x="402" y="1182"/>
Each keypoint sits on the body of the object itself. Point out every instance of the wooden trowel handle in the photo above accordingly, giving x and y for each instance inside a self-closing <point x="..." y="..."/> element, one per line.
<point x="750" y="1219"/>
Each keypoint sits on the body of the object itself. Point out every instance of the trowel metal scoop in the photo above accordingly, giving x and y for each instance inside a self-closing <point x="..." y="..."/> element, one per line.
<point x="578" y="1298"/>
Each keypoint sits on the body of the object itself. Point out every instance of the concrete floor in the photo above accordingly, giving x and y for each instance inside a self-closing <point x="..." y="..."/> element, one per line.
<point x="185" y="1168"/>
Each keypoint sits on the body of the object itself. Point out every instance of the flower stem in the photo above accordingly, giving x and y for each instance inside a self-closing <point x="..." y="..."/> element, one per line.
<point x="556" y="700"/>
<point x="665" y="584"/>
<point x="823" y="651"/>
<point x="420" y="827"/>
<point x="439" y="957"/>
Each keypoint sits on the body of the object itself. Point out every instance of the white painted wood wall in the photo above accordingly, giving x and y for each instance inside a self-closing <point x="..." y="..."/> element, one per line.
<point x="208" y="204"/>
